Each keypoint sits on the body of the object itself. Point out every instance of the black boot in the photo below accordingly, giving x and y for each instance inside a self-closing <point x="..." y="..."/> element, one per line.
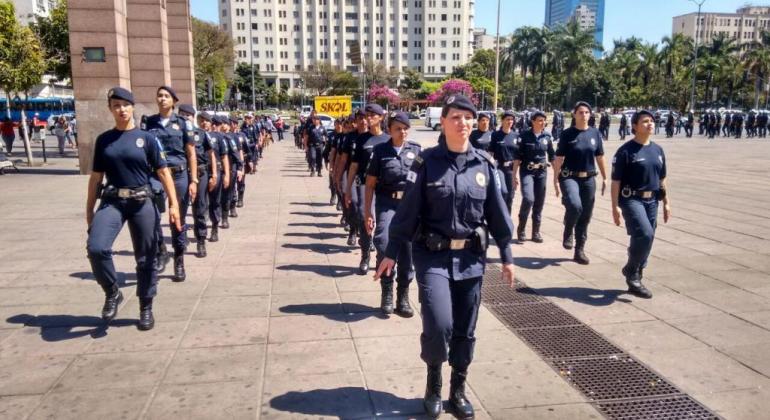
<point x="580" y="255"/>
<point x="225" y="224"/>
<point x="432" y="401"/>
<point x="111" y="303"/>
<point x="233" y="213"/>
<point x="352" y="237"/>
<point x="386" y="300"/>
<point x="521" y="235"/>
<point x="635" y="286"/>
<point x="569" y="240"/>
<point x="239" y="204"/>
<point x="214" y="234"/>
<point x="333" y="199"/>
<point x="162" y="259"/>
<point x="146" y="320"/>
<point x="179" y="273"/>
<point x="536" y="236"/>
<point x="458" y="403"/>
<point x="363" y="266"/>
<point x="402" y="302"/>
<point x="201" y="248"/>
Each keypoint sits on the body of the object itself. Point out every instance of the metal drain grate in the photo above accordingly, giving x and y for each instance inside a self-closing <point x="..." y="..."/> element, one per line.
<point x="534" y="315"/>
<point x="504" y="295"/>
<point x="674" y="408"/>
<point x="613" y="377"/>
<point x="567" y="342"/>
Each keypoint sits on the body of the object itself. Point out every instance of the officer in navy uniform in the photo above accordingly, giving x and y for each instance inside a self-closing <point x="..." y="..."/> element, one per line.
<point x="126" y="156"/>
<point x="638" y="183"/>
<point x="579" y="152"/>
<point x="250" y="129"/>
<point x="360" y="128"/>
<point x="229" y="189"/>
<point x="386" y="178"/>
<point x="332" y="147"/>
<point x="623" y="126"/>
<point x="243" y="145"/>
<point x="481" y="137"/>
<point x="176" y="135"/>
<point x="558" y="124"/>
<point x="688" y="125"/>
<point x="531" y="161"/>
<point x="315" y="139"/>
<point x="454" y="196"/>
<point x="505" y="142"/>
<point x="359" y="161"/>
<point x="207" y="174"/>
<point x="220" y="147"/>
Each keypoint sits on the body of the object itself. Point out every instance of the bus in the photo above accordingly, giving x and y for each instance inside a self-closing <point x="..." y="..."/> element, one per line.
<point x="43" y="108"/>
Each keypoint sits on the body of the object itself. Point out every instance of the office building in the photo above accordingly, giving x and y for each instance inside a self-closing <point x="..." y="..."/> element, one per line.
<point x="285" y="37"/>
<point x="744" y="26"/>
<point x="589" y="14"/>
<point x="28" y="10"/>
<point x="484" y="41"/>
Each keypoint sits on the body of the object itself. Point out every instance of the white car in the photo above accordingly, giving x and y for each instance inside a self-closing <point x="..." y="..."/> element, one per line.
<point x="326" y="121"/>
<point x="305" y="112"/>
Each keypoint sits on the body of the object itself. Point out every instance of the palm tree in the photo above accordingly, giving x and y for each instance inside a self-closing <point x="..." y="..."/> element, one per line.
<point x="574" y="48"/>
<point x="544" y="54"/>
<point x="523" y="47"/>
<point x="757" y="63"/>
<point x="646" y="68"/>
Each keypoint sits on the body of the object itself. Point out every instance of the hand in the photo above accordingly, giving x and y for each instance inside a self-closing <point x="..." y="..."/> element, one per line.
<point x="556" y="188"/>
<point x="369" y="223"/>
<point x="226" y="182"/>
<point x="616" y="215"/>
<point x="385" y="267"/>
<point x="666" y="213"/>
<point x="604" y="185"/>
<point x="173" y="218"/>
<point x="193" y="190"/>
<point x="508" y="274"/>
<point x="348" y="200"/>
<point x="212" y="183"/>
<point x="239" y="175"/>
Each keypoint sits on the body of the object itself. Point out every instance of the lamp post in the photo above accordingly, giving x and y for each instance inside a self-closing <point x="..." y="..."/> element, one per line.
<point x="695" y="61"/>
<point x="251" y="54"/>
<point x="497" y="59"/>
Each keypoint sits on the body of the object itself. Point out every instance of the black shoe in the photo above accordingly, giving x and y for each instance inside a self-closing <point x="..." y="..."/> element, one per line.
<point x="201" y="249"/>
<point x="521" y="235"/>
<point x="386" y="300"/>
<point x="111" y="304"/>
<point x="312" y="173"/>
<point x="161" y="260"/>
<point x="352" y="239"/>
<point x="569" y="240"/>
<point x="536" y="236"/>
<point x="432" y="400"/>
<point x="458" y="403"/>
<point x="318" y="174"/>
<point x="225" y="223"/>
<point x="333" y="200"/>
<point x="239" y="204"/>
<point x="343" y="221"/>
<point x="233" y="213"/>
<point x="580" y="256"/>
<point x="363" y="266"/>
<point x="635" y="286"/>
<point x="214" y="234"/>
<point x="179" y="273"/>
<point x="403" y="308"/>
<point x="339" y="205"/>
<point x="146" y="320"/>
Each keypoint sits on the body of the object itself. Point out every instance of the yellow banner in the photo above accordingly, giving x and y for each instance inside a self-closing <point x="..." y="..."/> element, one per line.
<point x="333" y="106"/>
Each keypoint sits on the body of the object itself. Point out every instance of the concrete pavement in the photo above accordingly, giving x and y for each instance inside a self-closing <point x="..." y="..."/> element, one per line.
<point x="276" y="324"/>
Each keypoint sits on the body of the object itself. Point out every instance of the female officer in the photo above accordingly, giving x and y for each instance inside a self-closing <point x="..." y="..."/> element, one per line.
<point x="454" y="192"/>
<point x="178" y="141"/>
<point x="386" y="176"/>
<point x="504" y="144"/>
<point x="126" y="156"/>
<point x="531" y="162"/>
<point x="638" y="182"/>
<point x="579" y="152"/>
<point x="481" y="137"/>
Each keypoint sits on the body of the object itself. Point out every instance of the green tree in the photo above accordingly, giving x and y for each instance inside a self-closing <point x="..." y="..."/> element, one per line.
<point x="757" y="62"/>
<point x="412" y="80"/>
<point x="378" y="74"/>
<point x="574" y="49"/>
<point x="53" y="32"/>
<point x="214" y="56"/>
<point x="523" y="48"/>
<point x="242" y="81"/>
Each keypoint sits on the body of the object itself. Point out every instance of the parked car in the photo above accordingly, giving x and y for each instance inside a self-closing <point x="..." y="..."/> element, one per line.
<point x="305" y="111"/>
<point x="421" y="115"/>
<point x="326" y="121"/>
<point x="433" y="118"/>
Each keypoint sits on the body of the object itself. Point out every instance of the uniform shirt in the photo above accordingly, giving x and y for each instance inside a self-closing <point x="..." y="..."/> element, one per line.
<point x="202" y="147"/>
<point x="173" y="136"/>
<point x="243" y="144"/>
<point x="580" y="148"/>
<point x="504" y="146"/>
<point x="452" y="194"/>
<point x="639" y="167"/>
<point x="316" y="136"/>
<point x="362" y="152"/>
<point x="251" y="132"/>
<point x="233" y="147"/>
<point x="535" y="148"/>
<point x="127" y="158"/>
<point x="391" y="167"/>
<point x="219" y="146"/>
<point x="481" y="139"/>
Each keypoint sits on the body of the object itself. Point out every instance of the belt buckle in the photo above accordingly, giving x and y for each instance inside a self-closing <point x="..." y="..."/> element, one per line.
<point x="124" y="193"/>
<point x="625" y="192"/>
<point x="530" y="166"/>
<point x="398" y="195"/>
<point x="457" y="244"/>
<point x="645" y="194"/>
<point x="508" y="163"/>
<point x="565" y="173"/>
<point x="582" y="174"/>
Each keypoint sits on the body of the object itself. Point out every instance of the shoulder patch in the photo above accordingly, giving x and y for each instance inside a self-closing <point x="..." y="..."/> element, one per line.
<point x="486" y="156"/>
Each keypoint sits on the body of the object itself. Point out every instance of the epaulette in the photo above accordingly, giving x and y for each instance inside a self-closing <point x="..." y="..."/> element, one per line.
<point x="418" y="161"/>
<point x="486" y="156"/>
<point x="414" y="143"/>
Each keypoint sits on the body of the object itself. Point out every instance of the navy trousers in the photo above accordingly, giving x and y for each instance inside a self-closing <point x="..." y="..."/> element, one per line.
<point x="215" y="201"/>
<point x="640" y="217"/>
<point x="532" y="194"/>
<point x="508" y="193"/>
<point x="385" y="208"/>
<point x="578" y="196"/>
<point x="359" y="202"/>
<point x="201" y="205"/>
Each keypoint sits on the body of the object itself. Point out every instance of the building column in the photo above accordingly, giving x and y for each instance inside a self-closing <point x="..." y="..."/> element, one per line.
<point x="148" y="51"/>
<point x="181" y="50"/>
<point x="99" y="24"/>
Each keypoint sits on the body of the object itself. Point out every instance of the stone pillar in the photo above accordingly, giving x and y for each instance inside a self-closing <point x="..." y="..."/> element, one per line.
<point x="148" y="51"/>
<point x="181" y="49"/>
<point x="96" y="24"/>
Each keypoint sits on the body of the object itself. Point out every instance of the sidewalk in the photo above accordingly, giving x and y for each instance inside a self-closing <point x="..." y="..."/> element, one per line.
<point x="276" y="324"/>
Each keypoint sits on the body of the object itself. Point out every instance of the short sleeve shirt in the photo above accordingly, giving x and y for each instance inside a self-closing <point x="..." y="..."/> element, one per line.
<point x="127" y="158"/>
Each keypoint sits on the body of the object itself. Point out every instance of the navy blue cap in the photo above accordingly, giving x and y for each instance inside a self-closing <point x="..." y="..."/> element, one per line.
<point x="120" y="93"/>
<point x="507" y="114"/>
<point x="359" y="113"/>
<point x="638" y="114"/>
<point x="582" y="103"/>
<point x="205" y="115"/>
<point x="187" y="109"/>
<point x="218" y="120"/>
<point x="458" y="102"/>
<point x="484" y="115"/>
<point x="401" y="117"/>
<point x="170" y="91"/>
<point x="537" y="114"/>
<point x="374" y="109"/>
<point x="234" y="120"/>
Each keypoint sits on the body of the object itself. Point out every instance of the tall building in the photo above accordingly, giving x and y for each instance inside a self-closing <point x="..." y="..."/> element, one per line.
<point x="284" y="37"/>
<point x="744" y="26"/>
<point x="589" y="14"/>
<point x="483" y="41"/>
<point x="28" y="10"/>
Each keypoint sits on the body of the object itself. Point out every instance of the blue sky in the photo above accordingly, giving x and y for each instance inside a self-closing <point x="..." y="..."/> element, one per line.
<point x="647" y="19"/>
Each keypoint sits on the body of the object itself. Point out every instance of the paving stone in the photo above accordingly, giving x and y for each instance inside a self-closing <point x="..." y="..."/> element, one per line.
<point x="305" y="304"/>
<point x="238" y="286"/>
<point x="740" y="404"/>
<point x="232" y="400"/>
<point x="231" y="363"/>
<point x="311" y="357"/>
<point x="18" y="407"/>
<point x="114" y="371"/>
<point x="647" y="336"/>
<point x="33" y="341"/>
<point x="314" y="328"/>
<point x="548" y="412"/>
<point x="225" y="332"/>
<point x="334" y="395"/>
<point x="232" y="307"/>
<point x="31" y="375"/>
<point x="375" y="324"/>
<point x="379" y="354"/>
<point x="165" y="336"/>
<point x="125" y="403"/>
<point x="722" y="330"/>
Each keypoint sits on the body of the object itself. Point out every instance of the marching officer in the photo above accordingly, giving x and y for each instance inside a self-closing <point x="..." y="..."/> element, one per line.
<point x="386" y="177"/>
<point x="481" y="137"/>
<point x="455" y="200"/>
<point x="315" y="139"/>
<point x="531" y="161"/>
<point x="688" y="125"/>
<point x="578" y="154"/>
<point x="638" y="184"/>
<point x="343" y="174"/>
<point x="126" y="156"/>
<point x="229" y="190"/>
<point x="623" y="127"/>
<point x="176" y="136"/>
<point x="220" y="146"/>
<point x="505" y="142"/>
<point x="250" y="129"/>
<point x="243" y="145"/>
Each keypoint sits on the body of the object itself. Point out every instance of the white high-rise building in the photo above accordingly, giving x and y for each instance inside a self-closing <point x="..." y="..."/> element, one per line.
<point x="285" y="37"/>
<point x="28" y="10"/>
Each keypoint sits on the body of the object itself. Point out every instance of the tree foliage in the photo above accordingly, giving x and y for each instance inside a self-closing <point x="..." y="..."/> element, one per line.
<point x="214" y="56"/>
<point x="53" y="32"/>
<point x="324" y="79"/>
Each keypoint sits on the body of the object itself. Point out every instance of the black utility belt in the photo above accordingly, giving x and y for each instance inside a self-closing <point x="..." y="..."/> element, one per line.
<point x="531" y="166"/>
<point x="177" y="169"/>
<point x="435" y="242"/>
<point x="396" y="195"/>
<point x="203" y="169"/>
<point x="566" y="173"/>
<point x="139" y="193"/>
<point x="628" y="192"/>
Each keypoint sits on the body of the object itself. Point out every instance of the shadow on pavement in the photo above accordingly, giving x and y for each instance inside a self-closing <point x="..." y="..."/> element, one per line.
<point x="346" y="402"/>
<point x="317" y="225"/>
<point x="593" y="297"/>
<point x="320" y="269"/>
<point x="342" y="312"/>
<point x="321" y="248"/>
<point x="48" y="171"/>
<point x="310" y="204"/>
<point x="124" y="279"/>
<point x="62" y="327"/>
<point x="321" y="236"/>
<point x="538" y="263"/>
<point x="314" y="214"/>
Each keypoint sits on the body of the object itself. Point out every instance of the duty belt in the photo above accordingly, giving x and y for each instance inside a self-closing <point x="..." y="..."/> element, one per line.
<point x="397" y="195"/>
<point x="566" y="173"/>
<point x="627" y="192"/>
<point x="139" y="193"/>
<point x="507" y="164"/>
<point x="531" y="166"/>
<point x="177" y="169"/>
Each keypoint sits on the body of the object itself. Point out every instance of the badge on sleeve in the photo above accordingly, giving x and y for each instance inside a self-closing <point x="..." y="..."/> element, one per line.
<point x="481" y="179"/>
<point x="410" y="155"/>
<point x="545" y="142"/>
<point x="593" y="141"/>
<point x="660" y="158"/>
<point x="175" y="126"/>
<point x="197" y="138"/>
<point x="140" y="142"/>
<point x="411" y="176"/>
